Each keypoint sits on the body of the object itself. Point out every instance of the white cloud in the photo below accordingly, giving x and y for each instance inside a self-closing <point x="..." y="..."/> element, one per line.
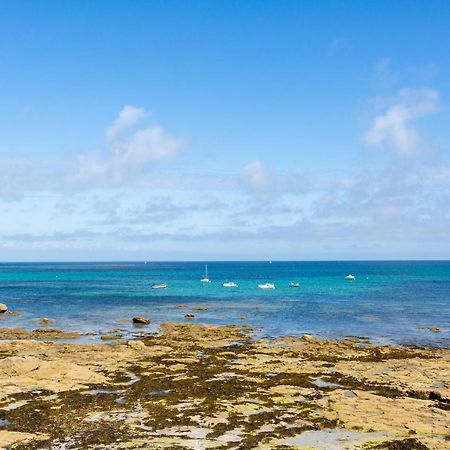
<point x="128" y="116"/>
<point x="129" y="158"/>
<point x="126" y="157"/>
<point x="254" y="176"/>
<point x="395" y="126"/>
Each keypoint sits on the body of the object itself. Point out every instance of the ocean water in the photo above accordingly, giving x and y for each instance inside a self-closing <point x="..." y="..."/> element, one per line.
<point x="391" y="302"/>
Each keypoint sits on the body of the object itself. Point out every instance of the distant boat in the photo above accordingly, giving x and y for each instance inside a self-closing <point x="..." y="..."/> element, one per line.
<point x="350" y="277"/>
<point x="266" y="286"/>
<point x="205" y="279"/>
<point x="230" y="284"/>
<point x="294" y="284"/>
<point x="159" y="286"/>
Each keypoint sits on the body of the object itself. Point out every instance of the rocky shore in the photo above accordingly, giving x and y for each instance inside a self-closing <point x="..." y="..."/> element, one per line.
<point x="200" y="387"/>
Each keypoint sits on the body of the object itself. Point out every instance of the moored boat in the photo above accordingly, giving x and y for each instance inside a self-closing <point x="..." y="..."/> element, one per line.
<point x="205" y="279"/>
<point x="159" y="286"/>
<point x="266" y="286"/>
<point x="230" y="284"/>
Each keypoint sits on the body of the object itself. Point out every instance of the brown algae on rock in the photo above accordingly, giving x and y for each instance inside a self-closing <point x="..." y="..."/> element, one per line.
<point x="200" y="386"/>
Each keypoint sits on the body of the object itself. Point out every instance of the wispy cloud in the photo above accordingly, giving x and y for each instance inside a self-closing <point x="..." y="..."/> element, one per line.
<point x="254" y="176"/>
<point x="395" y="126"/>
<point x="128" y="117"/>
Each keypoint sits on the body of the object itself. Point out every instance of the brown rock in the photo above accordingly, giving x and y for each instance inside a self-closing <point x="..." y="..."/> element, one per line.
<point x="46" y="321"/>
<point x="309" y="338"/>
<point x="109" y="337"/>
<point x="141" y="320"/>
<point x="136" y="345"/>
<point x="39" y="333"/>
<point x="3" y="308"/>
<point x="432" y="329"/>
<point x="18" y="365"/>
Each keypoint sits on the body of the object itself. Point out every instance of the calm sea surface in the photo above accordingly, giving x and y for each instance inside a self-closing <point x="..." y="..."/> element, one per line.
<point x="389" y="301"/>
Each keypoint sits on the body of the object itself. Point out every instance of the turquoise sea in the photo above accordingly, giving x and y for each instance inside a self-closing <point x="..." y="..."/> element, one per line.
<point x="391" y="302"/>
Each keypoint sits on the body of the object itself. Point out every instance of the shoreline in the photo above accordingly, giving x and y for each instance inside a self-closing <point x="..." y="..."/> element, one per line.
<point x="202" y="386"/>
<point x="123" y="328"/>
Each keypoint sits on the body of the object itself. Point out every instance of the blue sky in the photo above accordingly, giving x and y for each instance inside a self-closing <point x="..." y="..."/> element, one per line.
<point x="205" y="130"/>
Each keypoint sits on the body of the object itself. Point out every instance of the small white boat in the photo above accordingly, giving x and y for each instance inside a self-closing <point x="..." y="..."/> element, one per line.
<point x="294" y="284"/>
<point x="350" y="277"/>
<point x="159" y="286"/>
<point x="266" y="286"/>
<point x="230" y="284"/>
<point x="205" y="279"/>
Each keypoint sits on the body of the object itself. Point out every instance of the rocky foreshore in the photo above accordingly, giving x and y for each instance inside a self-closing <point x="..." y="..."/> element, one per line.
<point x="201" y="387"/>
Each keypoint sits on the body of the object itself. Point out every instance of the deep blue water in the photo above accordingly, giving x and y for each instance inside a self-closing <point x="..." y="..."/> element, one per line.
<point x="389" y="301"/>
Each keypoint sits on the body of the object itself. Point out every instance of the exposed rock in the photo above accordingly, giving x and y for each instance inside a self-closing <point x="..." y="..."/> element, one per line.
<point x="205" y="377"/>
<point x="18" y="365"/>
<point x="136" y="345"/>
<point x="309" y="338"/>
<point x="110" y="337"/>
<point x="39" y="333"/>
<point x="10" y="313"/>
<point x="46" y="321"/>
<point x="3" y="308"/>
<point x="435" y="329"/>
<point x="141" y="320"/>
<point x="7" y="438"/>
<point x="192" y="308"/>
<point x="189" y="316"/>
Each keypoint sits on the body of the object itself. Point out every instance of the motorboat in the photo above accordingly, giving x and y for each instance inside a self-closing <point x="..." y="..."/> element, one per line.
<point x="350" y="277"/>
<point x="205" y="279"/>
<point x="159" y="286"/>
<point x="266" y="286"/>
<point x="230" y="284"/>
<point x="294" y="284"/>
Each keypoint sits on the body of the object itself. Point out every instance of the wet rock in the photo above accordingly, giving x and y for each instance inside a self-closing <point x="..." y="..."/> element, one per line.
<point x="46" y="321"/>
<point x="53" y="333"/>
<point x="189" y="316"/>
<point x="309" y="338"/>
<point x="437" y="396"/>
<point x="110" y="337"/>
<point x="141" y="320"/>
<point x="3" y="308"/>
<point x="401" y="444"/>
<point x="350" y="394"/>
<point x="10" y="313"/>
<point x="39" y="333"/>
<point x="435" y="329"/>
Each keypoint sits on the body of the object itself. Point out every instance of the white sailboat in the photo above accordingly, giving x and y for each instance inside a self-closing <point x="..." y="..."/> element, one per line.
<point x="205" y="279"/>
<point x="350" y="277"/>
